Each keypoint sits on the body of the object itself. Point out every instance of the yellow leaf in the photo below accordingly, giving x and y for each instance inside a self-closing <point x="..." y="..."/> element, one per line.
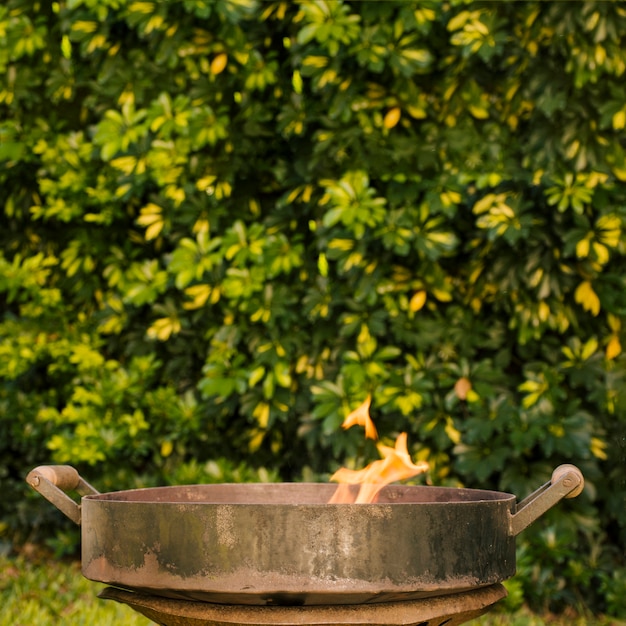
<point x="302" y="364"/>
<point x="532" y="386"/>
<point x="459" y="20"/>
<point x="66" y="47"/>
<point x="614" y="347"/>
<point x="84" y="26"/>
<point x="366" y="344"/>
<point x="480" y="27"/>
<point x="341" y="244"/>
<point x="142" y="7"/>
<point x="262" y="414"/>
<point x="511" y="91"/>
<point x="207" y="184"/>
<point x="256" y="440"/>
<point x="453" y="434"/>
<point x="602" y="252"/>
<point x="620" y="172"/>
<point x="392" y="117"/>
<point x="163" y="328"/>
<point x="315" y="61"/>
<point x="479" y="112"/>
<point x="598" y="448"/>
<point x="218" y="64"/>
<point x="582" y="248"/>
<point x="472" y="396"/>
<point x="199" y="294"/>
<point x="587" y="297"/>
<point x="448" y="198"/>
<point x="615" y="324"/>
<point x="416" y="112"/>
<point x="589" y="349"/>
<point x="619" y="120"/>
<point x="441" y="295"/>
<point x="296" y="81"/>
<point x="293" y="195"/>
<point x="261" y="314"/>
<point x="154" y="230"/>
<point x="125" y="163"/>
<point x="255" y="207"/>
<point x="201" y="226"/>
<point x="166" y="448"/>
<point x="418" y="300"/>
<point x="530" y="400"/>
<point x="610" y="227"/>
<point x="595" y="179"/>
<point x="476" y="272"/>
<point x="256" y="375"/>
<point x="322" y="265"/>
<point x="282" y="374"/>
<point x="484" y="204"/>
<point x="149" y="214"/>
<point x="176" y="194"/>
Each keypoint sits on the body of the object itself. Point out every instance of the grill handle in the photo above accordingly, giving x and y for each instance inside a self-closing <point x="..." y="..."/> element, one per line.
<point x="567" y="482"/>
<point x="52" y="481"/>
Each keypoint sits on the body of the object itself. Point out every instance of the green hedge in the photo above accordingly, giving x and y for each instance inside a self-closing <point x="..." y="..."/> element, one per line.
<point x="225" y="222"/>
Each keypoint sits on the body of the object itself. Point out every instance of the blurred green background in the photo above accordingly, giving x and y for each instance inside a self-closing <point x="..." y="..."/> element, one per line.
<point x="225" y="222"/>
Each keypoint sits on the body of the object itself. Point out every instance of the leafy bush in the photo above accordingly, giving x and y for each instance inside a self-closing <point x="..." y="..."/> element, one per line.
<point x="225" y="222"/>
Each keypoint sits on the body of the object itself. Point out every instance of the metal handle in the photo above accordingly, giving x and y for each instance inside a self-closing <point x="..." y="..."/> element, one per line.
<point x="567" y="482"/>
<point x="52" y="481"/>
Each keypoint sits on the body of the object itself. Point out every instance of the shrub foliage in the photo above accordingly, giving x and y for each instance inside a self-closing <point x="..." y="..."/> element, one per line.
<point x="225" y="222"/>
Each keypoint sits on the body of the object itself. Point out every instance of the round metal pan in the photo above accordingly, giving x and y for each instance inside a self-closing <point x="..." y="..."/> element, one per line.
<point x="283" y="544"/>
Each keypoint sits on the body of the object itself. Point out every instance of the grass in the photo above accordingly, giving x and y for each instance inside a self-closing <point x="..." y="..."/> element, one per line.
<point x="41" y="591"/>
<point x="36" y="592"/>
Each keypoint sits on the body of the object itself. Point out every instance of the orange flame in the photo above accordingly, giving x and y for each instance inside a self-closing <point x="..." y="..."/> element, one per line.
<point x="396" y="464"/>
<point x="361" y="417"/>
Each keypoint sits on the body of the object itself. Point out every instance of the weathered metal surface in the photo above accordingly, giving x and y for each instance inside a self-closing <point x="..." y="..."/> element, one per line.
<point x="450" y="610"/>
<point x="283" y="544"/>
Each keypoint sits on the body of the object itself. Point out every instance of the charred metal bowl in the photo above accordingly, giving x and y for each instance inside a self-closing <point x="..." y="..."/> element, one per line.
<point x="283" y="544"/>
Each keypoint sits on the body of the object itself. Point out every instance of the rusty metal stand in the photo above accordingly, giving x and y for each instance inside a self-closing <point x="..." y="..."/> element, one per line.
<point x="451" y="610"/>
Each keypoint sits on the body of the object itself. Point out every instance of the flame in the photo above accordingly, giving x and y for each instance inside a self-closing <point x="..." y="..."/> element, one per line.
<point x="361" y="417"/>
<point x="396" y="464"/>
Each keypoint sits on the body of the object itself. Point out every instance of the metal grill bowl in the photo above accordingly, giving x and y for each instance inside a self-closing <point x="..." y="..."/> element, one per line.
<point x="283" y="544"/>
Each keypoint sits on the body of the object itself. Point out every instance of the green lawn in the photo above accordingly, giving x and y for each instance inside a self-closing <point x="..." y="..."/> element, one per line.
<point x="45" y="592"/>
<point x="53" y="593"/>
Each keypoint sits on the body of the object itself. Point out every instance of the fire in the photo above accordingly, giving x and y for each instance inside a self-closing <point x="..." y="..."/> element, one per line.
<point x="396" y="464"/>
<point x="361" y="417"/>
